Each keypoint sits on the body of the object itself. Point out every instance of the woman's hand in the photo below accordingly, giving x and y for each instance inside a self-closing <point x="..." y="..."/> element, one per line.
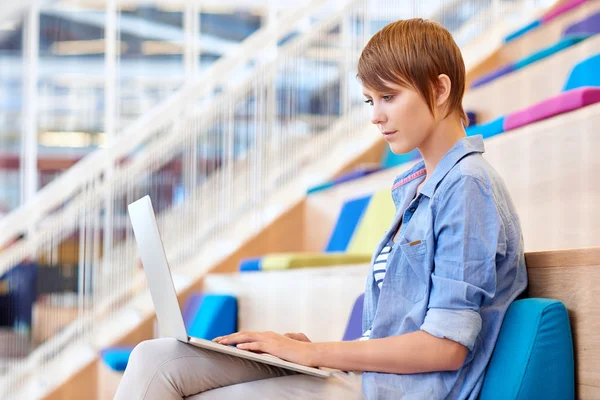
<point x="287" y="348"/>
<point x="298" y="336"/>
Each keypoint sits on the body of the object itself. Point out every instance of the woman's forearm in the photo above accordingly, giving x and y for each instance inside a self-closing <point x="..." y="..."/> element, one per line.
<point x="410" y="353"/>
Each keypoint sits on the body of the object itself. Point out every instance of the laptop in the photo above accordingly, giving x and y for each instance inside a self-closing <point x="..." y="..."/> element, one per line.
<point x="164" y="297"/>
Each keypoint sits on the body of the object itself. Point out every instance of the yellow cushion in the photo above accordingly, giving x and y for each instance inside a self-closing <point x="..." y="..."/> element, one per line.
<point x="377" y="218"/>
<point x="281" y="261"/>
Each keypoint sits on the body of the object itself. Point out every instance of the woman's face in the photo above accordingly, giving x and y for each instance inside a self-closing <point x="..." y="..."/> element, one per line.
<point x="402" y="116"/>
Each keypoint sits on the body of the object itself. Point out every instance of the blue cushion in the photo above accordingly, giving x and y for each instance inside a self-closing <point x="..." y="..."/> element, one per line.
<point x="216" y="316"/>
<point x="351" y="213"/>
<point x="533" y="357"/>
<point x="320" y="187"/>
<point x="488" y="130"/>
<point x="206" y="316"/>
<point x="251" y="264"/>
<point x="354" y="327"/>
<point x="520" y="32"/>
<point x="347" y="177"/>
<point x="584" y="74"/>
<point x="548" y="51"/>
<point x="117" y="357"/>
<point x="390" y="159"/>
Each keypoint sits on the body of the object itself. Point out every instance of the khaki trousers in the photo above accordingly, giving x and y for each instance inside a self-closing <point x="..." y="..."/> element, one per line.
<point x="168" y="369"/>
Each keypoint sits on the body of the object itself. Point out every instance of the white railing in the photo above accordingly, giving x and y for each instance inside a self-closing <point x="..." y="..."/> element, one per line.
<point x="225" y="145"/>
<point x="62" y="189"/>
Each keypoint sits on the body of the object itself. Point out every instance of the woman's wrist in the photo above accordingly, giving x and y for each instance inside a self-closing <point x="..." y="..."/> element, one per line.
<point x="313" y="358"/>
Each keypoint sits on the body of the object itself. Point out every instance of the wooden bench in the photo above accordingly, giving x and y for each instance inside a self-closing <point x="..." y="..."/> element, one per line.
<point x="573" y="277"/>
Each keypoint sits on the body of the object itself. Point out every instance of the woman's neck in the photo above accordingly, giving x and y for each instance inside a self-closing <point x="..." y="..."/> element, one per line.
<point x="443" y="137"/>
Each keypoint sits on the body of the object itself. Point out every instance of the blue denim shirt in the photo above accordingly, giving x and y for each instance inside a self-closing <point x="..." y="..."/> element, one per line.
<point x="456" y="266"/>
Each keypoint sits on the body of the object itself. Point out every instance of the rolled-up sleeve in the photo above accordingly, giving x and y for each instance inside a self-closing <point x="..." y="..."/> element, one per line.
<point x="469" y="236"/>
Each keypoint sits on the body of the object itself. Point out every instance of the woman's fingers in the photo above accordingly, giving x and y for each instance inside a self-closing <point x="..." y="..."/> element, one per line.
<point x="240" y="337"/>
<point x="252" y="346"/>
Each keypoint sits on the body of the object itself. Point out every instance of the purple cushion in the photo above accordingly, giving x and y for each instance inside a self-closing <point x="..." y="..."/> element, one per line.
<point x="564" y="102"/>
<point x="354" y="327"/>
<point x="472" y="117"/>
<point x="359" y="173"/>
<point x="563" y="8"/>
<point x="191" y="307"/>
<point x="589" y="25"/>
<point x="507" y="69"/>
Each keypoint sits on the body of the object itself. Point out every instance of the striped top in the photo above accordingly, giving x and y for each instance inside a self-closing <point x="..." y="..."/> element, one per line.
<point x="379" y="269"/>
<point x="380" y="264"/>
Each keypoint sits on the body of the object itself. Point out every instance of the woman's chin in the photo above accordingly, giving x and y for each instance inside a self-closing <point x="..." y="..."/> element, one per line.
<point x="401" y="148"/>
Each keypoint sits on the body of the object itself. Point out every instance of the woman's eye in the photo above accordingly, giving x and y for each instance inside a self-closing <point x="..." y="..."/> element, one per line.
<point x="388" y="98"/>
<point x="369" y="102"/>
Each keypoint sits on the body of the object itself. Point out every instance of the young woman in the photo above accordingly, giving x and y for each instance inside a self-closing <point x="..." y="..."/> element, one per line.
<point x="442" y="277"/>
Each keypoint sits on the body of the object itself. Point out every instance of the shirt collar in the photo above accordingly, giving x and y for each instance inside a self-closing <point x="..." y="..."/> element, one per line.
<point x="462" y="148"/>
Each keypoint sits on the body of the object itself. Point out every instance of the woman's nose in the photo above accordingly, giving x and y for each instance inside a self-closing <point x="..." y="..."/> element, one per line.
<point x="377" y="116"/>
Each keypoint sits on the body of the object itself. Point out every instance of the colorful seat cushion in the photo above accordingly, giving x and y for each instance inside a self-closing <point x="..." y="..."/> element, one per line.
<point x="472" y="117"/>
<point x="359" y="173"/>
<point x="282" y="261"/>
<point x="350" y="215"/>
<point x="587" y="26"/>
<point x="584" y="74"/>
<point x="520" y="32"/>
<point x="533" y="357"/>
<point x="507" y="69"/>
<point x="369" y="228"/>
<point x="116" y="357"/>
<point x="211" y="315"/>
<point x="376" y="220"/>
<point x="321" y="187"/>
<point x="535" y="57"/>
<point x="550" y="50"/>
<point x="206" y="316"/>
<point x="487" y="130"/>
<point x="391" y="159"/>
<point x="561" y="9"/>
<point x="354" y="327"/>
<point x="562" y="103"/>
<point x="251" y="264"/>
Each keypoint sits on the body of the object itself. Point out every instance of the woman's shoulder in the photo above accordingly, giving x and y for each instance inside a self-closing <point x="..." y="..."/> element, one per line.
<point x="471" y="171"/>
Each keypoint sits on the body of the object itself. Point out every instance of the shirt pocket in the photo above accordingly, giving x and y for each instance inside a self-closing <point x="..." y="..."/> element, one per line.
<point x="408" y="279"/>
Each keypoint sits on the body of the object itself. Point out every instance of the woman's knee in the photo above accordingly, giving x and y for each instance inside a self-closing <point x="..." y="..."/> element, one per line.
<point x="155" y="352"/>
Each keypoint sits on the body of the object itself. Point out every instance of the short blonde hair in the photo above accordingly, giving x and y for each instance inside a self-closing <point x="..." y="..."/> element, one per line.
<point x="412" y="53"/>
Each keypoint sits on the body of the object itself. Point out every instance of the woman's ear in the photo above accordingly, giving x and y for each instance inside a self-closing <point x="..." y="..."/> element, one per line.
<point x="443" y="87"/>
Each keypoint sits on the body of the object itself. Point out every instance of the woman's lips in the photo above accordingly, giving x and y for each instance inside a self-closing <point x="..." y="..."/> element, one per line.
<point x="388" y="134"/>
